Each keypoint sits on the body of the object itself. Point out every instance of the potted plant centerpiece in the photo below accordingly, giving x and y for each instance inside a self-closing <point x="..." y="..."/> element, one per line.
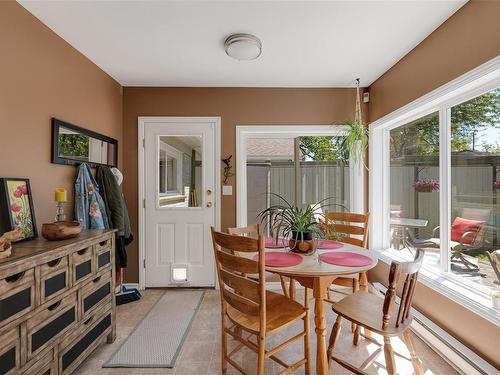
<point x="302" y="226"/>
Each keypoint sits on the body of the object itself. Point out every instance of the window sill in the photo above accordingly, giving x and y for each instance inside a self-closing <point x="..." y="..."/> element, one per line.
<point x="472" y="296"/>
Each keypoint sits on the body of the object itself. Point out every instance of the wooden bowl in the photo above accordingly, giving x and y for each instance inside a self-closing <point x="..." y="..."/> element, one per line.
<point x="61" y="230"/>
<point x="6" y="253"/>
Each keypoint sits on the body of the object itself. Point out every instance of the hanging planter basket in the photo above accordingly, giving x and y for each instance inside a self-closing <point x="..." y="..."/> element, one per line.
<point x="426" y="186"/>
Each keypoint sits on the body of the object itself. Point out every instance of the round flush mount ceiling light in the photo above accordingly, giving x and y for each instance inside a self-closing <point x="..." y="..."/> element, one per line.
<point x="243" y="46"/>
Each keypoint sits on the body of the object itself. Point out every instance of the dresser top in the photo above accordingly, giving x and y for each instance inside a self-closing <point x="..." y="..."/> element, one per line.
<point x="26" y="250"/>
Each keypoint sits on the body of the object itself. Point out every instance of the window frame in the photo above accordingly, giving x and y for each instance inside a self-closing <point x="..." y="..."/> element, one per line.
<point x="470" y="85"/>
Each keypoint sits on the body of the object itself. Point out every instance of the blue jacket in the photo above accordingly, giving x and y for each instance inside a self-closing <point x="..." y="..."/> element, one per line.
<point x="90" y="210"/>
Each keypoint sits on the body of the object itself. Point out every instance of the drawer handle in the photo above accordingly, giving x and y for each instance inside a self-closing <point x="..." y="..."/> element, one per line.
<point x="88" y="320"/>
<point x="103" y="243"/>
<point x="54" y="306"/>
<point x="83" y="251"/>
<point x="14" y="278"/>
<point x="97" y="279"/>
<point x="54" y="262"/>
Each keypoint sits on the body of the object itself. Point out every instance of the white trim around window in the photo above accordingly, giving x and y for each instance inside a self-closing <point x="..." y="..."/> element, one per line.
<point x="472" y="84"/>
<point x="356" y="169"/>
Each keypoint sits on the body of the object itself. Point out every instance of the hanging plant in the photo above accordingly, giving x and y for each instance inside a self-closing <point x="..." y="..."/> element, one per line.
<point x="355" y="142"/>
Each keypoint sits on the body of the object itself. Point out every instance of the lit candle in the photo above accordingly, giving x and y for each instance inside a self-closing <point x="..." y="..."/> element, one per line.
<point x="60" y="195"/>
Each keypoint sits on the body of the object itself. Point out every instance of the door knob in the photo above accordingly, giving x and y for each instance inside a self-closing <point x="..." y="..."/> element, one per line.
<point x="209" y="192"/>
<point x="209" y="204"/>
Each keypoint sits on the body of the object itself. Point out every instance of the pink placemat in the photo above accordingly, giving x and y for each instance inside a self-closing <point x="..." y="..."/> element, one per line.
<point x="280" y="259"/>
<point x="346" y="259"/>
<point x="272" y="244"/>
<point x="329" y="244"/>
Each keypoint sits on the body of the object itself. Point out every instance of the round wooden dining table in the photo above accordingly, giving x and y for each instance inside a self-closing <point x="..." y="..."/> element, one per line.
<point x="318" y="275"/>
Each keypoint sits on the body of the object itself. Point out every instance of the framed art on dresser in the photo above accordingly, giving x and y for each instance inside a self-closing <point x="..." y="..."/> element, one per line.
<point x="16" y="206"/>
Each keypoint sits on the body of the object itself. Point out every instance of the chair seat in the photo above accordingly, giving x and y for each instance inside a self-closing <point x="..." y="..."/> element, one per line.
<point x="280" y="313"/>
<point x="366" y="309"/>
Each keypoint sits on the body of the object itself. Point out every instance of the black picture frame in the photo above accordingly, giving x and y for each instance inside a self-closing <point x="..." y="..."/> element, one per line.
<point x="56" y="159"/>
<point x="7" y="200"/>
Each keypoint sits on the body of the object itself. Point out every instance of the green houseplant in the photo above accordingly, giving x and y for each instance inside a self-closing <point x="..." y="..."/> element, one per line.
<point x="355" y="142"/>
<point x="300" y="225"/>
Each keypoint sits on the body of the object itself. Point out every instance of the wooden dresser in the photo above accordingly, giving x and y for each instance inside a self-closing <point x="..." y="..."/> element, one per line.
<point x="56" y="303"/>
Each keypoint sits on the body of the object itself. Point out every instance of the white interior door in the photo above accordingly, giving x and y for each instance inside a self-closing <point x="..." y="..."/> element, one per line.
<point x="179" y="191"/>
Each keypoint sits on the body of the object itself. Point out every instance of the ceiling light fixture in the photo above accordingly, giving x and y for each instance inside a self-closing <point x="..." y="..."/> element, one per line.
<point x="243" y="46"/>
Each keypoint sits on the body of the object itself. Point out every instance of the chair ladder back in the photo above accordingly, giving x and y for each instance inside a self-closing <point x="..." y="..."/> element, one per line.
<point x="410" y="270"/>
<point x="238" y="291"/>
<point x="250" y="230"/>
<point x="347" y="225"/>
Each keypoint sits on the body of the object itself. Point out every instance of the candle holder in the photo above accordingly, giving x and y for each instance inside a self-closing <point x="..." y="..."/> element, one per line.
<point x="60" y="216"/>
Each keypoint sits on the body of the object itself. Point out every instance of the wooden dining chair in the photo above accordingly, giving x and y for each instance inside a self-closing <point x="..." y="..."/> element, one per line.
<point x="352" y="229"/>
<point x="381" y="316"/>
<point x="250" y="307"/>
<point x="253" y="230"/>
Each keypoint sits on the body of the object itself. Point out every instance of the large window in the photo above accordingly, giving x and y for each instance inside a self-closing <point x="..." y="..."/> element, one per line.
<point x="302" y="170"/>
<point x="437" y="180"/>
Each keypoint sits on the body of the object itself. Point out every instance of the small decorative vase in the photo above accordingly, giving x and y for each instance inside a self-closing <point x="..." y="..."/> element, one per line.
<point x="302" y="243"/>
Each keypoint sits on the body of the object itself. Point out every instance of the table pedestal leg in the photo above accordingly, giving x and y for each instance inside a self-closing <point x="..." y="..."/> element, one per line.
<point x="319" y="292"/>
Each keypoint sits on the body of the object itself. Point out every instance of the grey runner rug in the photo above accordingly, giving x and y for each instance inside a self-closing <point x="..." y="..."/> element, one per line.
<point x="158" y="338"/>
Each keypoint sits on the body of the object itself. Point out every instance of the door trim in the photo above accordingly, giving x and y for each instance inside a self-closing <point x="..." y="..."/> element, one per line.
<point x="143" y="121"/>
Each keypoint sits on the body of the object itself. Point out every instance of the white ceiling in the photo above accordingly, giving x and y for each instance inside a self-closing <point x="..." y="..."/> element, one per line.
<point x="305" y="43"/>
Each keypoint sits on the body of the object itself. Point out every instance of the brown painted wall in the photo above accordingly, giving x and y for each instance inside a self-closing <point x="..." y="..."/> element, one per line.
<point x="235" y="106"/>
<point x="466" y="40"/>
<point x="42" y="76"/>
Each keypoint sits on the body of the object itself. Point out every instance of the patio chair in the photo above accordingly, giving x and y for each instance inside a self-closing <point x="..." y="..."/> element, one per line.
<point x="494" y="258"/>
<point x="468" y="233"/>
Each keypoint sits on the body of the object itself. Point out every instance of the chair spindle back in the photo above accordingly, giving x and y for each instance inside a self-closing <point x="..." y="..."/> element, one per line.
<point x="409" y="270"/>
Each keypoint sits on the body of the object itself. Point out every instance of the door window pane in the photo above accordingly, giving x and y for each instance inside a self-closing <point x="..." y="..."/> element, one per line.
<point x="475" y="187"/>
<point x="414" y="187"/>
<point x="179" y="171"/>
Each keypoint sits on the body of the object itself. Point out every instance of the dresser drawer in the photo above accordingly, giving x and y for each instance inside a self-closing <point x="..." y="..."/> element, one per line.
<point x="75" y="348"/>
<point x="10" y="353"/>
<point x="54" y="278"/>
<point x="44" y="365"/>
<point x="104" y="244"/>
<point x="82" y="265"/>
<point x="103" y="258"/>
<point x="96" y="293"/>
<point x="49" y="324"/>
<point x="17" y="295"/>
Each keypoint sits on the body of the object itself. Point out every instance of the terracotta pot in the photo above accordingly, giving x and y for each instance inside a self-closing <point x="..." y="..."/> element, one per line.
<point x="302" y="244"/>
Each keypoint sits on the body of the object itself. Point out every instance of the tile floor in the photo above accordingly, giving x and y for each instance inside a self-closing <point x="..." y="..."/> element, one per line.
<point x="200" y="352"/>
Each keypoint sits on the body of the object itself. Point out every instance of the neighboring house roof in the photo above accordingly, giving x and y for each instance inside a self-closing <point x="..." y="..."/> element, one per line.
<point x="270" y="148"/>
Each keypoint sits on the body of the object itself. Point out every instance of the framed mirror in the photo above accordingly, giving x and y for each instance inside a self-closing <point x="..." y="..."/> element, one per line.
<point x="73" y="145"/>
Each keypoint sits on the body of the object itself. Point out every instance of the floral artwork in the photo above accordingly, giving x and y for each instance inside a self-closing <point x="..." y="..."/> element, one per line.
<point x="18" y="201"/>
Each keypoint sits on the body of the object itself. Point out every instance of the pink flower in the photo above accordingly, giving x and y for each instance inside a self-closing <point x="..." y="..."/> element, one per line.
<point x="23" y="189"/>
<point x="17" y="193"/>
<point x="15" y="207"/>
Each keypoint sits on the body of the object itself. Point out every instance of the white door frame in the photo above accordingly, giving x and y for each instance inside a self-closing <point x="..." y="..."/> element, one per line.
<point x="356" y="169"/>
<point x="143" y="121"/>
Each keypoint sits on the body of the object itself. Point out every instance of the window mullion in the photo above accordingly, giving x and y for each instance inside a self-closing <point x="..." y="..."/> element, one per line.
<point x="445" y="185"/>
